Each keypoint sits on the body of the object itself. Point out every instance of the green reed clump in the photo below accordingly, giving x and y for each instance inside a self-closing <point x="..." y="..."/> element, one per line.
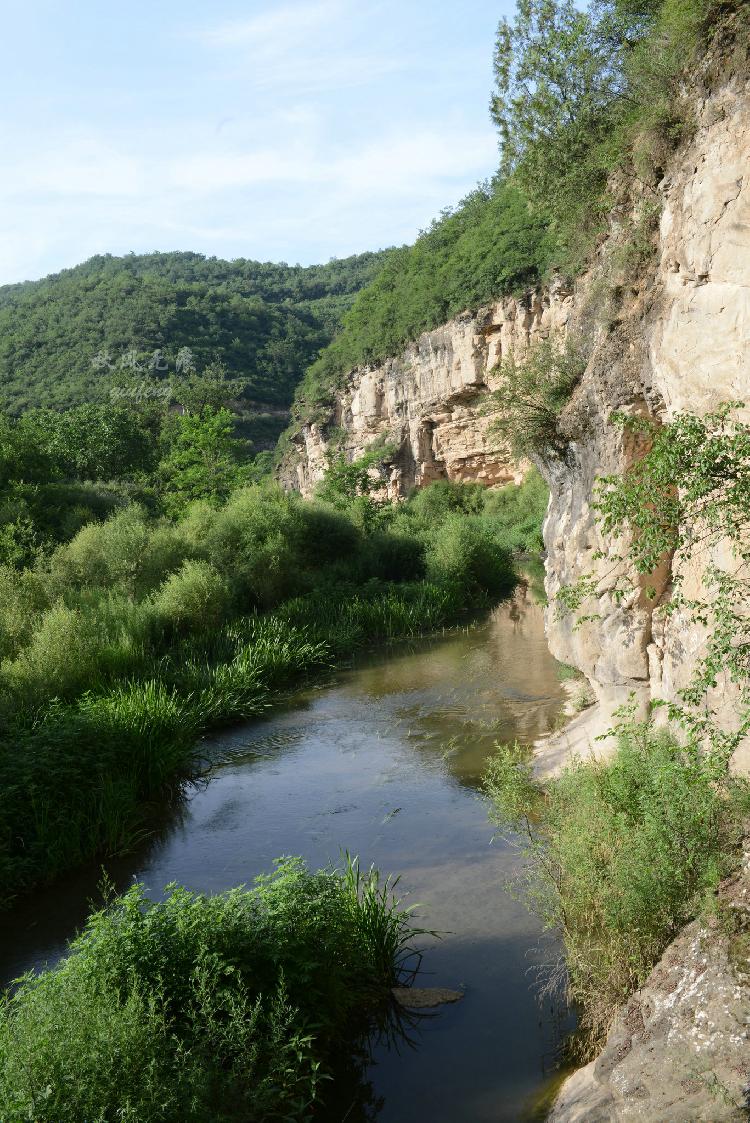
<point x="621" y="854"/>
<point x="205" y="1008"/>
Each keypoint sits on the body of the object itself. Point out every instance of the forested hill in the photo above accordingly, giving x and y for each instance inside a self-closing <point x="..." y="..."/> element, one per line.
<point x="63" y="338"/>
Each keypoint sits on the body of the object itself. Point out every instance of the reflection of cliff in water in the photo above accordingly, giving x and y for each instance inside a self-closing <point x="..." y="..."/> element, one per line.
<point x="495" y="682"/>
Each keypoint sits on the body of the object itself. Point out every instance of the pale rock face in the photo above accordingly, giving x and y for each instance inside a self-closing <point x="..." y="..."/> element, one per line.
<point x="681" y="346"/>
<point x="427" y="403"/>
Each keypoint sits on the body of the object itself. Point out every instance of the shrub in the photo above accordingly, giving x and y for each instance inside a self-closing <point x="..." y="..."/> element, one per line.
<point x="463" y="550"/>
<point x="256" y="537"/>
<point x="531" y="394"/>
<point x="148" y="642"/>
<point x="204" y="1008"/>
<point x="431" y="504"/>
<point x="194" y="597"/>
<point x="516" y="513"/>
<point x="103" y="637"/>
<point x="128" y="551"/>
<point x="23" y="599"/>
<point x="621" y="855"/>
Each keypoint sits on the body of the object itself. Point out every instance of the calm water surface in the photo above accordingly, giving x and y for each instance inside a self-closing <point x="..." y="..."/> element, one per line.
<point x="384" y="761"/>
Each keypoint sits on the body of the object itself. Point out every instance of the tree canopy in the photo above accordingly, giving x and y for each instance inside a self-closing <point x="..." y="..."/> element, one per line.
<point x="64" y="339"/>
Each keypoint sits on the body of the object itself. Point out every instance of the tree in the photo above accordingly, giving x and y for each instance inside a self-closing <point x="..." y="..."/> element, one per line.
<point x="89" y="442"/>
<point x="558" y="72"/>
<point x="204" y="460"/>
<point x="531" y="395"/>
<point x="210" y="389"/>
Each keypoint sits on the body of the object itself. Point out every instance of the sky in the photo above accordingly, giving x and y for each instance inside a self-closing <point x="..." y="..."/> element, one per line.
<point x="280" y="131"/>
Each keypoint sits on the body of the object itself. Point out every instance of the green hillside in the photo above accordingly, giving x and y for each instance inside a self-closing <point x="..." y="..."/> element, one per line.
<point x="65" y="338"/>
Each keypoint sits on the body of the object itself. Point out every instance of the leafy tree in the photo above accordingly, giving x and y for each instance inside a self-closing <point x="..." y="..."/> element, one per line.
<point x="531" y="394"/>
<point x="556" y="76"/>
<point x="204" y="459"/>
<point x="89" y="442"/>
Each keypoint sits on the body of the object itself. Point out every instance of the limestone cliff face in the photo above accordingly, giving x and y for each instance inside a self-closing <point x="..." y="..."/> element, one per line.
<point x="672" y="336"/>
<point x="426" y="405"/>
<point x="679" y="340"/>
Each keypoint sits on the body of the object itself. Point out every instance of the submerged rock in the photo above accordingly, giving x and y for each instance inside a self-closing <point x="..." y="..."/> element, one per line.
<point x="422" y="998"/>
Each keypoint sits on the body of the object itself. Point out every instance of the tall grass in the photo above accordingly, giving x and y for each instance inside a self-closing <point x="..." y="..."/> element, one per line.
<point x="620" y="856"/>
<point x="205" y="1008"/>
<point x="128" y="642"/>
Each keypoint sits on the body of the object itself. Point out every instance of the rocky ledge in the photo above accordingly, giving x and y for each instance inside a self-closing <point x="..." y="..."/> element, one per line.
<point x="679" y="1051"/>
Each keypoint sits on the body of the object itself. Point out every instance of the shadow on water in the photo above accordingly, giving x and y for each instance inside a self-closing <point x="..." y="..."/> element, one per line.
<point x="385" y="761"/>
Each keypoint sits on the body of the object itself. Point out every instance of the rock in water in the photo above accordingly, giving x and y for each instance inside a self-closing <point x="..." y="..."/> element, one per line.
<point x="422" y="998"/>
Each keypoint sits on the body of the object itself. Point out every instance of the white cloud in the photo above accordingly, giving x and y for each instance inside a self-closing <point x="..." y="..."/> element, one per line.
<point x="300" y="200"/>
<point x="237" y="172"/>
<point x="303" y="48"/>
<point x="274" y="30"/>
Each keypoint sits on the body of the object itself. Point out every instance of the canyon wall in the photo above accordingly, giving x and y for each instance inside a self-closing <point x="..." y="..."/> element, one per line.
<point x="426" y="407"/>
<point x="669" y="333"/>
<point x="675" y="339"/>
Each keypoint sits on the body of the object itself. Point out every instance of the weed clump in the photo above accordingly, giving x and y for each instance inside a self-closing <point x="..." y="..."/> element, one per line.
<point x="206" y="1008"/>
<point x="621" y="855"/>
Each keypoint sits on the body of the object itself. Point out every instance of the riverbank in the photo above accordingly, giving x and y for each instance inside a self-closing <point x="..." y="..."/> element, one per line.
<point x="384" y="759"/>
<point x="126" y="645"/>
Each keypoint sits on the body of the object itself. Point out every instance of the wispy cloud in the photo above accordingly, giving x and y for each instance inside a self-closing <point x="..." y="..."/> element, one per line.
<point x="301" y="195"/>
<point x="276" y="29"/>
<point x="303" y="47"/>
<point x="308" y="128"/>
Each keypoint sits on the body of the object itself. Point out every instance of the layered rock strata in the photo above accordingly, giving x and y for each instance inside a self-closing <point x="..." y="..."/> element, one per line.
<point x="427" y="408"/>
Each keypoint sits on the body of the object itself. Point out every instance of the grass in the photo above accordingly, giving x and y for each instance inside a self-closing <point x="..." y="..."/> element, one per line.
<point x="86" y="776"/>
<point x="620" y="856"/>
<point x="233" y="1007"/>
<point x="125" y="645"/>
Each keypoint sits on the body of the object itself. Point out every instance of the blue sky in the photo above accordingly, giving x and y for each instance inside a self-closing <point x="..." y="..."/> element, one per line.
<point x="288" y="131"/>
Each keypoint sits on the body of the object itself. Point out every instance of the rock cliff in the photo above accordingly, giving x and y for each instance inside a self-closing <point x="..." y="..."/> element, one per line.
<point x="425" y="407"/>
<point x="677" y="338"/>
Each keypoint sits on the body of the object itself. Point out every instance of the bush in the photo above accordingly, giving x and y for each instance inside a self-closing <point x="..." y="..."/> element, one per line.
<point x="204" y="1008"/>
<point x="23" y="599"/>
<point x="103" y="637"/>
<point x="621" y="856"/>
<point x="140" y="630"/>
<point x="194" y="597"/>
<point x="128" y="551"/>
<point x="532" y="393"/>
<point x="517" y="513"/>
<point x="463" y="550"/>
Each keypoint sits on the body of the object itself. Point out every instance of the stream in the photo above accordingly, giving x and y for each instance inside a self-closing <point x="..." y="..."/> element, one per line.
<point x="383" y="760"/>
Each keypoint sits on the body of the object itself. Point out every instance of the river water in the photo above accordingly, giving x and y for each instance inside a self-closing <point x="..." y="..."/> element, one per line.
<point x="385" y="761"/>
